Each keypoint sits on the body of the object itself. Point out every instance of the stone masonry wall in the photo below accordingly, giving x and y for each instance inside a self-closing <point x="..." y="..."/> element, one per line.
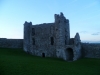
<point x="41" y="40"/>
<point x="11" y="43"/>
<point x="62" y="34"/>
<point x="91" y="50"/>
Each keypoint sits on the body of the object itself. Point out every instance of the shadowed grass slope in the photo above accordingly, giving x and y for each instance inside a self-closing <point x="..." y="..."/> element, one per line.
<point x="17" y="62"/>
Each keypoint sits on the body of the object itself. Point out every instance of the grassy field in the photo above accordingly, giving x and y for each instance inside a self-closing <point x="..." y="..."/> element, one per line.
<point x="17" y="62"/>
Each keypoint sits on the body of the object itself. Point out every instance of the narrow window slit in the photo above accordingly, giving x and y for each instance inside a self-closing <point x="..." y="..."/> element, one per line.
<point x="52" y="40"/>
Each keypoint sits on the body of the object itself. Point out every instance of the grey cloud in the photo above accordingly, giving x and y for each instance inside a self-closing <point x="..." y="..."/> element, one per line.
<point x="97" y="33"/>
<point x="83" y="32"/>
<point x="94" y="34"/>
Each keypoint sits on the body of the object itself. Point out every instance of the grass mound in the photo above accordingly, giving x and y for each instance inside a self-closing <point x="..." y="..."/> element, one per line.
<point x="17" y="62"/>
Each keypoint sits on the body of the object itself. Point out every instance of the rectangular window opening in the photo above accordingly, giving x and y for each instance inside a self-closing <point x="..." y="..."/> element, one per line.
<point x="52" y="40"/>
<point x="33" y="41"/>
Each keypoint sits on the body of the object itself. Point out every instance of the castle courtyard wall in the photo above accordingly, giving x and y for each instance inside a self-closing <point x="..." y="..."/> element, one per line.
<point x="11" y="43"/>
<point x="91" y="50"/>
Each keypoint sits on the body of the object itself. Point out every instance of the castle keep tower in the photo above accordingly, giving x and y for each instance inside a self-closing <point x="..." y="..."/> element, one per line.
<point x="52" y="39"/>
<point x="62" y="34"/>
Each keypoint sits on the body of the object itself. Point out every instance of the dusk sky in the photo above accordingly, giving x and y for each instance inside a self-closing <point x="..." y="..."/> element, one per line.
<point x="83" y="15"/>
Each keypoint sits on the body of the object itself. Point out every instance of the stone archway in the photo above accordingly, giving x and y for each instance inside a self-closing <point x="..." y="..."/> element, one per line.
<point x="70" y="54"/>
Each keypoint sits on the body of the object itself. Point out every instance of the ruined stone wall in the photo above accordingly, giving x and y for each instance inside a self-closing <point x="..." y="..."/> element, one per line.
<point x="50" y="38"/>
<point x="27" y="35"/>
<point x="91" y="50"/>
<point x="77" y="44"/>
<point x="11" y="43"/>
<point x="43" y="40"/>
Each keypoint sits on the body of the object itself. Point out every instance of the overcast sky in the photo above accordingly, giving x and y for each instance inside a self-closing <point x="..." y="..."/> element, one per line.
<point x="84" y="16"/>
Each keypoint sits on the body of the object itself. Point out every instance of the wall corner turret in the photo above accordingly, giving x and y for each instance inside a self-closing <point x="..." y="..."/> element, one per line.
<point x="27" y="35"/>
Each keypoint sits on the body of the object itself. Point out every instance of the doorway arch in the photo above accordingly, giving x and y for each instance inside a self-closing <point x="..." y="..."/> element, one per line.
<point x="43" y="54"/>
<point x="70" y="54"/>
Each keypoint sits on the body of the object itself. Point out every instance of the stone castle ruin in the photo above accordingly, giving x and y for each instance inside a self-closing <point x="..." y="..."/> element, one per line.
<point x="52" y="40"/>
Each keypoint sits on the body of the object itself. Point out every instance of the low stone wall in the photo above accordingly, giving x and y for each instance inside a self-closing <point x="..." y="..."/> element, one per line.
<point x="11" y="43"/>
<point x="91" y="50"/>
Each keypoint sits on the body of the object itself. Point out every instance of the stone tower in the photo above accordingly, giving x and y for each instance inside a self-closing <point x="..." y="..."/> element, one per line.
<point x="27" y="34"/>
<point x="62" y="34"/>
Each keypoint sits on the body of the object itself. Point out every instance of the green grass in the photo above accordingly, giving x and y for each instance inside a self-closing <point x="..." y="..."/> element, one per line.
<point x="17" y="62"/>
